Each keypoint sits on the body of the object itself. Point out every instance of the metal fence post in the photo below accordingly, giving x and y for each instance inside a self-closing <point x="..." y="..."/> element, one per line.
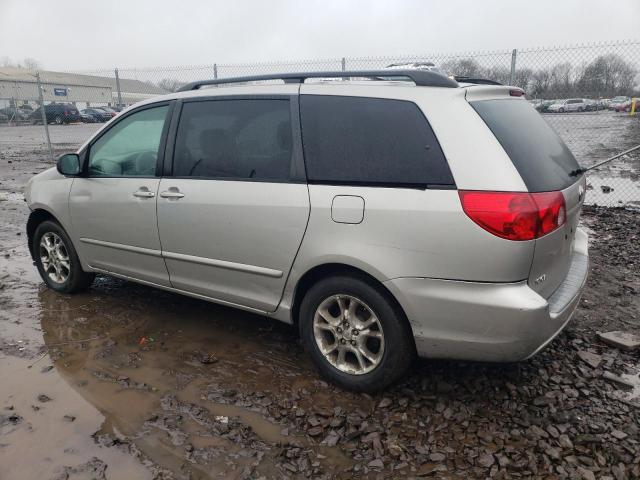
<point x="118" y="87"/>
<point x="512" y="77"/>
<point x="344" y="64"/>
<point x="215" y="70"/>
<point x="44" y="115"/>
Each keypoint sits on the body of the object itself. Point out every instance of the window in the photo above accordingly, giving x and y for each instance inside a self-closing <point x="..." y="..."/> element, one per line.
<point x="540" y="156"/>
<point x="370" y="141"/>
<point x="130" y="147"/>
<point x="238" y="139"/>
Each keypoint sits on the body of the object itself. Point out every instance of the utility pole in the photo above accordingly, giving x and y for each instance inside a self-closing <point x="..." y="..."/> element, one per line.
<point x="512" y="77"/>
<point x="118" y="87"/>
<point x="44" y="115"/>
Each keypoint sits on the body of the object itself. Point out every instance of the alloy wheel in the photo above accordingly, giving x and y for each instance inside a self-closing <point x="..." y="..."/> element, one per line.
<point x="55" y="257"/>
<point x="349" y="334"/>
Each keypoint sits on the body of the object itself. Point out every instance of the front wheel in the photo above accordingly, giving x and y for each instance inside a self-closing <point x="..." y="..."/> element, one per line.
<point x="561" y="110"/>
<point x="57" y="260"/>
<point x="355" y="333"/>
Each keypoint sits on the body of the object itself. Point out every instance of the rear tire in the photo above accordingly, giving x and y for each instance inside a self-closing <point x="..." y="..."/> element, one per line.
<point x="360" y="319"/>
<point x="57" y="260"/>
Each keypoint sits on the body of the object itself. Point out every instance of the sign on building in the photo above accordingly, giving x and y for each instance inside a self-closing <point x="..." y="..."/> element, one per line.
<point x="60" y="92"/>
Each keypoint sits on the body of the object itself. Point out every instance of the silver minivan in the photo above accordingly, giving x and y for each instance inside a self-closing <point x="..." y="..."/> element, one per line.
<point x="385" y="216"/>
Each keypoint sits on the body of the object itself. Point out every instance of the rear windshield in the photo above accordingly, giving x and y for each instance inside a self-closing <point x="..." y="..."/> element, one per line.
<point x="540" y="156"/>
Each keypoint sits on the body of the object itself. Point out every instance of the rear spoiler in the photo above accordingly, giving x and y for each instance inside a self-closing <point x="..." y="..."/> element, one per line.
<point x="491" y="92"/>
<point x="477" y="81"/>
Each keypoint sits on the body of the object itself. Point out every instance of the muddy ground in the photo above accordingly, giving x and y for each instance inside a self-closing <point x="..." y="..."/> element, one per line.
<point x="125" y="381"/>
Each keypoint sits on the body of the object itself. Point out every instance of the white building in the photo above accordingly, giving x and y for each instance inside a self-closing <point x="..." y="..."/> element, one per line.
<point x="19" y="86"/>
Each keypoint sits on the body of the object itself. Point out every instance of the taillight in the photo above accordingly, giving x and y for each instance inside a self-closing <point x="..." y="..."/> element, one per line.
<point x="66" y="112"/>
<point x="515" y="215"/>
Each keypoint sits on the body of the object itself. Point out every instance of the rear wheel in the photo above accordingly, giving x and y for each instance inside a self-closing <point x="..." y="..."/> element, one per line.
<point x="57" y="260"/>
<point x="58" y="120"/>
<point x="355" y="334"/>
<point x="561" y="110"/>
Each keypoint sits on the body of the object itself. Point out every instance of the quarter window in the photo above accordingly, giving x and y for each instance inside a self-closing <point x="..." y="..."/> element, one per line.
<point x="248" y="139"/>
<point x="370" y="141"/>
<point x="131" y="147"/>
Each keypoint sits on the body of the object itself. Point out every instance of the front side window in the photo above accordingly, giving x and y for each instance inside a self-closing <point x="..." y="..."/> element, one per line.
<point x="131" y="147"/>
<point x="246" y="139"/>
<point x="370" y="141"/>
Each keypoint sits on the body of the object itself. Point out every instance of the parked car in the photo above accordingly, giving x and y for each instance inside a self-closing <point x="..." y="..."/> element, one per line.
<point x="58" y="113"/>
<point x="16" y="114"/>
<point x="568" y="105"/>
<point x="543" y="107"/>
<point x="112" y="113"/>
<point x="615" y="101"/>
<point x="428" y="66"/>
<point x="86" y="118"/>
<point x="98" y="115"/>
<point x="376" y="235"/>
<point x="624" y="106"/>
<point x="3" y="118"/>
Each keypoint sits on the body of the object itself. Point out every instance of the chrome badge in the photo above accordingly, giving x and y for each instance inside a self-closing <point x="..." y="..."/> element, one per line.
<point x="540" y="279"/>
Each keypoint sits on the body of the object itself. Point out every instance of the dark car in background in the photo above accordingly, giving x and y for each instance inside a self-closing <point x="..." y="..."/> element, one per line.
<point x="543" y="107"/>
<point x="97" y="114"/>
<point x="110" y="111"/>
<point x="58" y="113"/>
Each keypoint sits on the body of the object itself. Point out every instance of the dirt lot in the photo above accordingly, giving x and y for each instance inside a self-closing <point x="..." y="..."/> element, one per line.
<point x="129" y="382"/>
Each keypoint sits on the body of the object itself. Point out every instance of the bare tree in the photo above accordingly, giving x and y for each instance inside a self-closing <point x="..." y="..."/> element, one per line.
<point x="31" y="64"/>
<point x="28" y="63"/>
<point x="465" y="67"/>
<point x="608" y="75"/>
<point x="170" y="84"/>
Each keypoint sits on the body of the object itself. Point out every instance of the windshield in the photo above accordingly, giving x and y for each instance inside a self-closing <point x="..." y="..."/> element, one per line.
<point x="540" y="156"/>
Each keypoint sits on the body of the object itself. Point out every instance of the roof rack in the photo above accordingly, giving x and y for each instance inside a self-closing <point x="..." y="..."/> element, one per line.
<point x="422" y="78"/>
<point x="478" y="81"/>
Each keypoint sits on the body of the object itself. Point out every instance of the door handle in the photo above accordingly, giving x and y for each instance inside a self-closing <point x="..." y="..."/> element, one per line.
<point x="172" y="193"/>
<point x="142" y="193"/>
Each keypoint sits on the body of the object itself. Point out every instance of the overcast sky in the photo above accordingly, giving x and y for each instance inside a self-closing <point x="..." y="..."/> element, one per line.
<point x="84" y="34"/>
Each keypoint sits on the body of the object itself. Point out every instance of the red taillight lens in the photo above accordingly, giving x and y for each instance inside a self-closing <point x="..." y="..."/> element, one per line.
<point x="515" y="215"/>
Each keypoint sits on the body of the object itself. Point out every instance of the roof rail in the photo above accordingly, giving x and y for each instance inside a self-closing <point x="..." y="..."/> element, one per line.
<point x="422" y="78"/>
<point x="479" y="81"/>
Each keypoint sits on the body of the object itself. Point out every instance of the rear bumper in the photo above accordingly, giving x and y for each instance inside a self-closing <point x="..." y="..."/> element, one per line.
<point x="500" y="322"/>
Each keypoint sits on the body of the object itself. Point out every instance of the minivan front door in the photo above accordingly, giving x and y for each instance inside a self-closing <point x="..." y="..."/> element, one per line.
<point x="233" y="214"/>
<point x="113" y="205"/>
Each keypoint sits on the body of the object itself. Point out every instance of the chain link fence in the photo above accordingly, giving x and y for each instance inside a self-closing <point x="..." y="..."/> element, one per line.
<point x="584" y="92"/>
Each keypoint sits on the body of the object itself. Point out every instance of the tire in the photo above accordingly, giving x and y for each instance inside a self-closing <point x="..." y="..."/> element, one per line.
<point x="561" y="110"/>
<point x="72" y="278"/>
<point x="580" y="109"/>
<point x="58" y="120"/>
<point x="393" y="355"/>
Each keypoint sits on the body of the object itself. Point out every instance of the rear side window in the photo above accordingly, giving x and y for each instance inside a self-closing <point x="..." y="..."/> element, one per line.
<point x="234" y="139"/>
<point x="370" y="141"/>
<point x="540" y="156"/>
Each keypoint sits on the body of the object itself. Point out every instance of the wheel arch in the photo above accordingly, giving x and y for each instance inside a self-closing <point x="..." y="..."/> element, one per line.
<point x="325" y="270"/>
<point x="36" y="217"/>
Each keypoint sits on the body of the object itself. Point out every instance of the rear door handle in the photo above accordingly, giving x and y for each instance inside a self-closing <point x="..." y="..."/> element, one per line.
<point x="143" y="193"/>
<point x="172" y="193"/>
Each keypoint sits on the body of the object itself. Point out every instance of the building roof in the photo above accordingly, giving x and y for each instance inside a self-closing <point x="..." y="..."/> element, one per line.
<point x="63" y="78"/>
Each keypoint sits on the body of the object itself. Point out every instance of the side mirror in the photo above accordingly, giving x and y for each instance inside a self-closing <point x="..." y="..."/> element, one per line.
<point x="69" y="164"/>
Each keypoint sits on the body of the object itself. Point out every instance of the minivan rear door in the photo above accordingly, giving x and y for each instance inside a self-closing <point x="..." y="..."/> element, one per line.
<point x="545" y="164"/>
<point x="234" y="206"/>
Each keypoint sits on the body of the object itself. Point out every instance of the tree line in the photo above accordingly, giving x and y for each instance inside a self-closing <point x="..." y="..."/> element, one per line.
<point x="605" y="77"/>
